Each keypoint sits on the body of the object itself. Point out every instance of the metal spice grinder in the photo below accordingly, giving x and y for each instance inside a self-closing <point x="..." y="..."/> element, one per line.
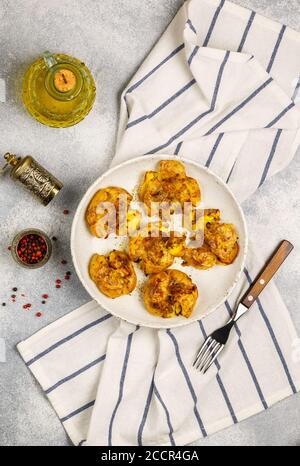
<point x="35" y="178"/>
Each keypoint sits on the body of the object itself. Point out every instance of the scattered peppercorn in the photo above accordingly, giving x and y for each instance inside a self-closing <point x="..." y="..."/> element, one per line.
<point x="38" y="314"/>
<point x="67" y="277"/>
<point x="64" y="262"/>
<point x="66" y="212"/>
<point x="43" y="302"/>
<point x="13" y="296"/>
<point x="54" y="238"/>
<point x="45" y="296"/>
<point x="27" y="306"/>
<point x="57" y="286"/>
<point x="68" y="273"/>
<point x="3" y="304"/>
<point x="58" y="281"/>
<point x="32" y="249"/>
<point x="15" y="289"/>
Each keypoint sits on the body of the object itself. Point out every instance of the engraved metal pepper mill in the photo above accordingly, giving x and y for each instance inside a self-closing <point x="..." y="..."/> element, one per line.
<point x="33" y="177"/>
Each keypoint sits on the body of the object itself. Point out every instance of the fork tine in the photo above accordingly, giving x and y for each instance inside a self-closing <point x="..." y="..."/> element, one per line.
<point x="206" y="361"/>
<point x="206" y="356"/>
<point x="201" y="350"/>
<point x="207" y="366"/>
<point x="206" y="351"/>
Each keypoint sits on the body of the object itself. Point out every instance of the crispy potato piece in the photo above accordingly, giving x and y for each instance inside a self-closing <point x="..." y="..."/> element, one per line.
<point x="228" y="255"/>
<point x="169" y="184"/>
<point x="211" y="216"/>
<point x="133" y="221"/>
<point x="150" y="185"/>
<point x="155" y="253"/>
<point x="200" y="218"/>
<point x="200" y="258"/>
<point x="170" y="293"/>
<point x="176" y="244"/>
<point x="109" y="194"/>
<point x="113" y="274"/>
<point x="222" y="239"/>
<point x="192" y="191"/>
<point x="135" y="248"/>
<point x="170" y="168"/>
<point x="112" y="194"/>
<point x="221" y="242"/>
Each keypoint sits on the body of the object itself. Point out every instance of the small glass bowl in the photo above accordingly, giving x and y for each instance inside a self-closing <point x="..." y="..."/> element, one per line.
<point x="16" y="241"/>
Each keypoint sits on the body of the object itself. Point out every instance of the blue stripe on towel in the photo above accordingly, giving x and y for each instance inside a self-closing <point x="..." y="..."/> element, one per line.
<point x="214" y="149"/>
<point x="252" y="373"/>
<point x="219" y="79"/>
<point x="280" y="115"/>
<point x="247" y="361"/>
<point x="194" y="51"/>
<point x="271" y="156"/>
<point x="121" y="386"/>
<point x="213" y="23"/>
<point x="75" y="374"/>
<point x="275" y="50"/>
<point x="189" y="22"/>
<point x="219" y="380"/>
<point x="126" y="104"/>
<point x="69" y="337"/>
<point x="246" y="32"/>
<point x="172" y="54"/>
<point x="163" y="105"/>
<point x="77" y="411"/>
<point x="178" y="147"/>
<point x="188" y="381"/>
<point x="274" y="339"/>
<point x="199" y="117"/>
<point x="296" y="90"/>
<point x="145" y="414"/>
<point x="231" y="171"/>
<point x="240" y="106"/>
<point x="171" y="431"/>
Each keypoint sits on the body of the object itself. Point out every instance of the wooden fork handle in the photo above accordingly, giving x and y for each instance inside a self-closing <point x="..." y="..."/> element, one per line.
<point x="267" y="273"/>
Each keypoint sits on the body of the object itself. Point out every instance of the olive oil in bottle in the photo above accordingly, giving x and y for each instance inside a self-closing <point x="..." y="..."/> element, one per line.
<point x="58" y="90"/>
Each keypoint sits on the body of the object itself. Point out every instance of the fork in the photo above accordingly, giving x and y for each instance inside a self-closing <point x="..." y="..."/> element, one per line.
<point x="215" y="343"/>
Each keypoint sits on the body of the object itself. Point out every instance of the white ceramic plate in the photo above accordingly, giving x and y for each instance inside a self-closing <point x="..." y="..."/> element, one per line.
<point x="214" y="285"/>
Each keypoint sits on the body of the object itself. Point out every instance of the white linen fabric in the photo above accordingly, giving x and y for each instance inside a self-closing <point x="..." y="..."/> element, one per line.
<point x="220" y="87"/>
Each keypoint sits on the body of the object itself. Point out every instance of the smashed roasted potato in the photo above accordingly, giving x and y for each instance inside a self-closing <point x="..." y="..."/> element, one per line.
<point x="222" y="240"/>
<point x="170" y="293"/>
<point x="155" y="254"/>
<point x="152" y="253"/>
<point x="200" y="258"/>
<point x="169" y="184"/>
<point x="211" y="216"/>
<point x="101" y="223"/>
<point x="113" y="274"/>
<point x="198" y="219"/>
<point x="176" y="244"/>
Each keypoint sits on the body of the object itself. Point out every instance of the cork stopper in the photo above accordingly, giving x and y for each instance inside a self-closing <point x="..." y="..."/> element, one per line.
<point x="64" y="80"/>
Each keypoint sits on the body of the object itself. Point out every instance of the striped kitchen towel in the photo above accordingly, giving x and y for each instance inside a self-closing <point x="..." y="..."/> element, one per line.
<point x="221" y="88"/>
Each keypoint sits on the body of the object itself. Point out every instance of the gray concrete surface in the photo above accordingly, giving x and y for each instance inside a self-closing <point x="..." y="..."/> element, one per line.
<point x="112" y="37"/>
